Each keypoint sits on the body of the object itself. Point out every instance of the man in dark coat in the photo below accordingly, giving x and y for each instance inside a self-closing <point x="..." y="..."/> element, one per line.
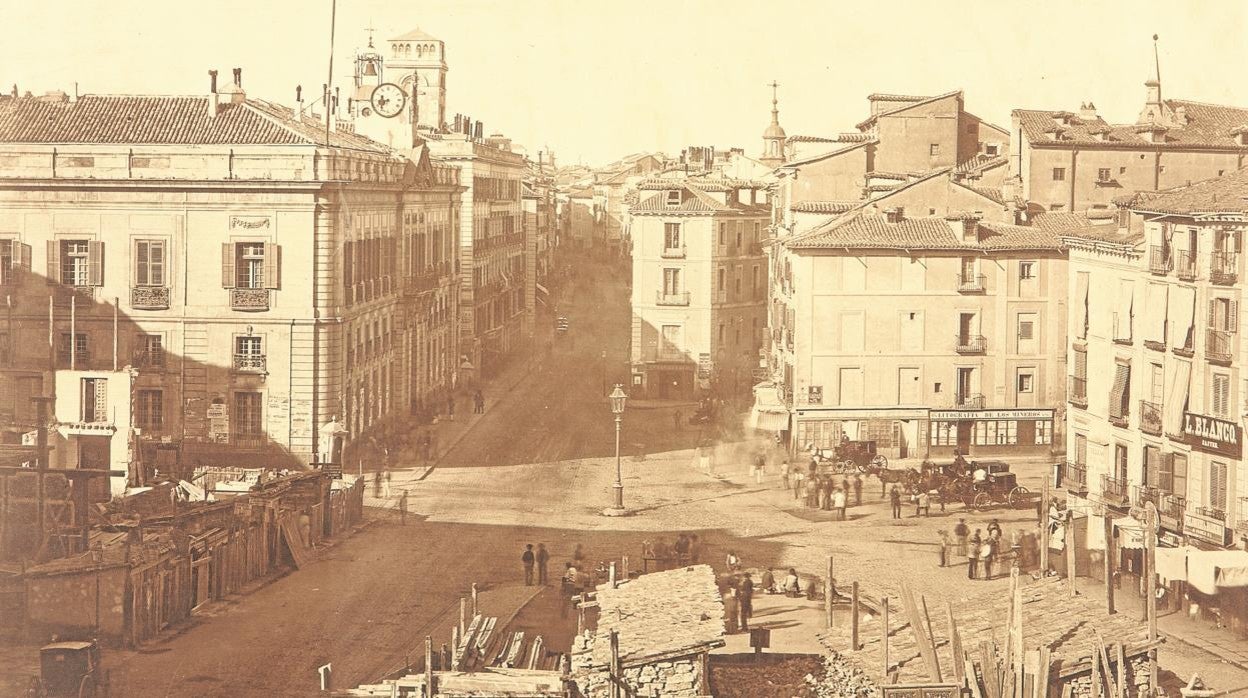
<point x="527" y="559"/>
<point x="894" y="498"/>
<point x="745" y="600"/>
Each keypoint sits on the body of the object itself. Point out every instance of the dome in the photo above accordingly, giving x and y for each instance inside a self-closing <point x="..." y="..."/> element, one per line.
<point x="774" y="131"/>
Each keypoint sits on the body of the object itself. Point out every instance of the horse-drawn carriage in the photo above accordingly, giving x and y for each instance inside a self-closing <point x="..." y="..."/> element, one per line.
<point x="849" y="456"/>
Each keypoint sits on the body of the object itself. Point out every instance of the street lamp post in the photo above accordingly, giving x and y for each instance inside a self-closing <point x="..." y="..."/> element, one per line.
<point x="618" y="397"/>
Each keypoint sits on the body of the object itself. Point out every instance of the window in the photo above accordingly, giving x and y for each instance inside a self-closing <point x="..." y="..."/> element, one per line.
<point x="671" y="236"/>
<point x="150" y="412"/>
<point x="1059" y="174"/>
<point x="72" y="343"/>
<point x="671" y="340"/>
<point x="150" y="351"/>
<point x="76" y="262"/>
<point x="1220" y="389"/>
<point x="721" y="332"/>
<point x="671" y="282"/>
<point x="755" y="280"/>
<point x="1217" y="486"/>
<point x="720" y="276"/>
<point x="1120" y="463"/>
<point x="149" y="262"/>
<point x="1026" y="271"/>
<point x="1026" y="327"/>
<point x="1044" y="432"/>
<point x="1025" y="382"/>
<point x="253" y="265"/>
<point x="94" y="400"/>
<point x="992" y="149"/>
<point x="1223" y="314"/>
<point x="1120" y="392"/>
<point x="249" y="353"/>
<point x="723" y="234"/>
<point x="1122" y="170"/>
<point x="944" y="434"/>
<point x="1057" y="207"/>
<point x="247" y="420"/>
<point x="673" y="197"/>
<point x="996" y="432"/>
<point x="1103" y="174"/>
<point x="933" y="149"/>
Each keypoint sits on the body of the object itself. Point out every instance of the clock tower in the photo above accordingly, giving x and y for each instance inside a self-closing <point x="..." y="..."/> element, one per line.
<point x="417" y="62"/>
<point x="400" y="90"/>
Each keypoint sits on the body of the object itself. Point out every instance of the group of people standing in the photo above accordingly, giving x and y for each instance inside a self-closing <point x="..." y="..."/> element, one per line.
<point x="984" y="550"/>
<point x="684" y="551"/>
<point x="822" y="491"/>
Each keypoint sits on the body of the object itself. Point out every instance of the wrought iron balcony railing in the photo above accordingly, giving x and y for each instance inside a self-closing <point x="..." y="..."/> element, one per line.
<point x="1159" y="260"/>
<point x="971" y="344"/>
<point x="970" y="401"/>
<point x="681" y="298"/>
<point x="1185" y="265"/>
<point x="1218" y="345"/>
<point x="1077" y="391"/>
<point x="1076" y="480"/>
<point x="972" y="283"/>
<point x="250" y="363"/>
<point x="673" y="252"/>
<point x="1150" y="418"/>
<point x="249" y="299"/>
<point x="1113" y="490"/>
<point x="149" y="297"/>
<point x="1224" y="268"/>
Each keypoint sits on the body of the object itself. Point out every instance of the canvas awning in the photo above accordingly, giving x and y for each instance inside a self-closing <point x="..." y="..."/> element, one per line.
<point x="1205" y="570"/>
<point x="1155" y="307"/>
<point x="1182" y="313"/>
<point x="768" y="413"/>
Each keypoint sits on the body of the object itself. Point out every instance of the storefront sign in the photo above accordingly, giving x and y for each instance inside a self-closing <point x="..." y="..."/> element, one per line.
<point x="218" y="423"/>
<point x="955" y="415"/>
<point x="248" y="222"/>
<point x="704" y="366"/>
<point x="1212" y="435"/>
<point x="1205" y="528"/>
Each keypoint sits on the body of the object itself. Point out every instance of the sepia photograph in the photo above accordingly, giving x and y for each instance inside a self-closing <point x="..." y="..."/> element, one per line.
<point x="664" y="349"/>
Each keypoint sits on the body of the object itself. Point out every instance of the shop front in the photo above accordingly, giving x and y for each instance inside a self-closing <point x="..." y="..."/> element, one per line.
<point x="1219" y="445"/>
<point x="990" y="432"/>
<point x="897" y="432"/>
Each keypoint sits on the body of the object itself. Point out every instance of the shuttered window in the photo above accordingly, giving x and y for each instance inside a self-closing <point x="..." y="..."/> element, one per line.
<point x="1220" y="394"/>
<point x="1217" y="486"/>
<point x="250" y="265"/>
<point x="1223" y="315"/>
<point x="1081" y="364"/>
<point x="1120" y="392"/>
<point x="1152" y="465"/>
<point x="149" y="262"/>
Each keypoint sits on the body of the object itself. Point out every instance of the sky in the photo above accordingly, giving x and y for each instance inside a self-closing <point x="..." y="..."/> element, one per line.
<point x="593" y="81"/>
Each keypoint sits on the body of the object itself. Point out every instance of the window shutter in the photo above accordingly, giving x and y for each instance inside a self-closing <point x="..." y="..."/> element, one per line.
<point x="95" y="263"/>
<point x="272" y="265"/>
<point x="141" y="266"/>
<point x="1232" y="317"/>
<point x="101" y="399"/>
<point x="347" y="259"/>
<point x="54" y="261"/>
<point x="21" y="255"/>
<point x="228" y="278"/>
<point x="1213" y="314"/>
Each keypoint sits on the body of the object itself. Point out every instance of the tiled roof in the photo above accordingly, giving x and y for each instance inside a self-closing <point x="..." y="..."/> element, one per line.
<point x="1059" y="221"/>
<point x="153" y="120"/>
<point x="906" y="103"/>
<point x="660" y="614"/>
<point x="823" y="206"/>
<point x="1066" y="625"/>
<point x="810" y="139"/>
<point x="698" y="202"/>
<point x="1208" y="126"/>
<point x="703" y="183"/>
<point x="863" y="231"/>
<point x="899" y="176"/>
<point x="1103" y="232"/>
<point x="989" y="193"/>
<point x="1228" y="194"/>
<point x="885" y="97"/>
<point x="980" y="163"/>
<point x="415" y="35"/>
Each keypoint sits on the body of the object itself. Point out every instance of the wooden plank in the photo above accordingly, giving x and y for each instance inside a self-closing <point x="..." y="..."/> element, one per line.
<point x="1046" y="670"/>
<point x="926" y="651"/>
<point x="955" y="646"/>
<point x="291" y="535"/>
<point x="1096" y="675"/>
<point x="927" y="624"/>
<point x="968" y="670"/>
<point x="1110" y="689"/>
<point x="1120" y="685"/>
<point x="854" y="610"/>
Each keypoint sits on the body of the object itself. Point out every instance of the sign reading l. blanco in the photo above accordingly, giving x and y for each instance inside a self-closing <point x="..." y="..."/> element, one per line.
<point x="249" y="222"/>
<point x="954" y="415"/>
<point x="1212" y="435"/>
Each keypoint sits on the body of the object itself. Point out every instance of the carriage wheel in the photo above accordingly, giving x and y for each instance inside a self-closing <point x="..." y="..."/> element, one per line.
<point x="1018" y="495"/>
<point x="35" y="689"/>
<point x="880" y="461"/>
<point x="86" y="687"/>
<point x="982" y="501"/>
<point x="845" y="466"/>
<point x="913" y="477"/>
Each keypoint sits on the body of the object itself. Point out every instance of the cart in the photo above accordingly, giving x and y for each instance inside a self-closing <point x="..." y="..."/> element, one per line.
<point x="1001" y="488"/>
<point x="69" y="670"/>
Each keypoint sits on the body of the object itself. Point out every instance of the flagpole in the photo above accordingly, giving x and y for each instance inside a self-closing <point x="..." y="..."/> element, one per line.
<point x="329" y="90"/>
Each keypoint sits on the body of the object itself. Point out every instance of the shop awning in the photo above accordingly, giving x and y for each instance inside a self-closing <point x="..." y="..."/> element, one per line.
<point x="769" y="421"/>
<point x="1205" y="570"/>
<point x="768" y="413"/>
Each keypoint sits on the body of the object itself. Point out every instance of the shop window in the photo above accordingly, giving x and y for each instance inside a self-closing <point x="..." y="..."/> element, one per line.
<point x="1044" y="432"/>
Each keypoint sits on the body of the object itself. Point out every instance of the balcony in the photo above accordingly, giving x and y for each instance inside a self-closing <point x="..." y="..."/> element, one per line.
<point x="788" y="339"/>
<point x="970" y="401"/>
<point x="972" y="283"/>
<point x="1077" y="391"/>
<point x="1150" y="418"/>
<point x="681" y="298"/>
<point x="250" y="363"/>
<point x="673" y="252"/>
<point x="1159" y="260"/>
<point x="1171" y="508"/>
<point x="1122" y="420"/>
<point x="1218" y="346"/>
<point x="149" y="359"/>
<point x="1211" y="513"/>
<point x="1185" y="265"/>
<point x="249" y="299"/>
<point x="81" y="357"/>
<point x="1113" y="490"/>
<point x="149" y="297"/>
<point x="1076" y="480"/>
<point x="970" y="344"/>
<point x="1224" y="268"/>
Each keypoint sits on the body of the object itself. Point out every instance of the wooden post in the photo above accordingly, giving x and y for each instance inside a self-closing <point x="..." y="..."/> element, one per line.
<point x="1096" y="675"/>
<point x="456" y="637"/>
<point x="853" y="617"/>
<point x="614" y="676"/>
<point x="611" y="575"/>
<point x="463" y="611"/>
<point x="624" y="567"/>
<point x="1109" y="562"/>
<point x="1044" y="528"/>
<point x="474" y="600"/>
<point x="926" y="651"/>
<point x="429" y="691"/>
<point x="1150" y="568"/>
<point x="1070" y="550"/>
<point x="1120" y="686"/>
<point x="927" y="621"/>
<point x="884" y="626"/>
<point x="827" y="593"/>
<point x="1016" y="621"/>
<point x="955" y="647"/>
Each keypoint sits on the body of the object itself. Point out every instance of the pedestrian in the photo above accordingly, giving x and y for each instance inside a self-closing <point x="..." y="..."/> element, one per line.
<point x="784" y="473"/>
<point x="987" y="552"/>
<point x="527" y="558"/>
<point x="403" y="508"/>
<point x="994" y="528"/>
<point x="845" y="485"/>
<point x="798" y="478"/>
<point x="839" y="498"/>
<point x="768" y="581"/>
<point x="792" y="585"/>
<point x="676" y="416"/>
<point x="377" y="485"/>
<point x="944" y="548"/>
<point x="760" y="464"/>
<point x="733" y="562"/>
<point x="960" y="533"/>
<point x="731" y="610"/>
<point x="450" y="406"/>
<point x="923" y="503"/>
<point x="385" y="485"/>
<point x="894" y="497"/>
<point x="972" y="556"/>
<point x="745" y="600"/>
<point x="543" y="558"/>
<point x="857" y="490"/>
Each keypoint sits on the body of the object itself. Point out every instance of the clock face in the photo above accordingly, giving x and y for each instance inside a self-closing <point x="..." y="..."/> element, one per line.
<point x="388" y="100"/>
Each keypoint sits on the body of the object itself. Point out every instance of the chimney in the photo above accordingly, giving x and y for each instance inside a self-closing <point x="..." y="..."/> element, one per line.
<point x="237" y="96"/>
<point x="14" y="92"/>
<point x="74" y="98"/>
<point x="478" y="131"/>
<point x="238" y="78"/>
<point x="1154" y="92"/>
<point x="299" y="102"/>
<point x="1180" y="115"/>
<point x="895" y="215"/>
<point x="1087" y="112"/>
<point x="214" y="99"/>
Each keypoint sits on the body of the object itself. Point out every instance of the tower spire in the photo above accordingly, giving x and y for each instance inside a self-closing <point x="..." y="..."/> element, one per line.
<point x="775" y="102"/>
<point x="1157" y="66"/>
<point x="774" y="136"/>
